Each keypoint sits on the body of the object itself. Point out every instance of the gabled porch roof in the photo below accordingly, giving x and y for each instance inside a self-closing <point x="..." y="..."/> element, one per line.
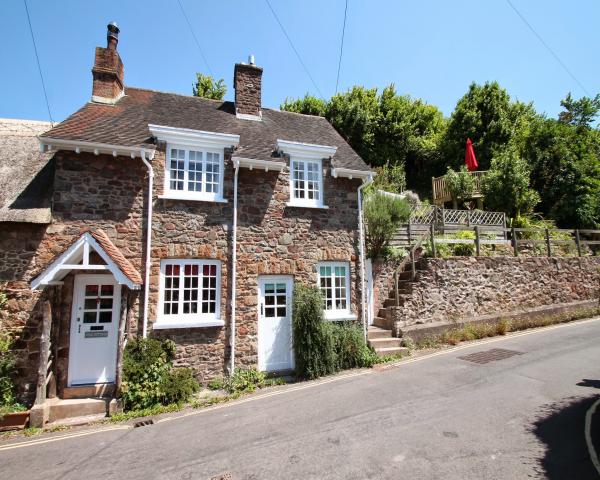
<point x="77" y="257"/>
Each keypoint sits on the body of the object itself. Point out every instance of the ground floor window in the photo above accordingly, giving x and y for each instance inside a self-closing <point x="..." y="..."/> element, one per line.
<point x="334" y="280"/>
<point x="189" y="291"/>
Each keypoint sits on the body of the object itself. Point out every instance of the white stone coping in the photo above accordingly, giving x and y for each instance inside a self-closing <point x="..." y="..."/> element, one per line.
<point x="168" y="325"/>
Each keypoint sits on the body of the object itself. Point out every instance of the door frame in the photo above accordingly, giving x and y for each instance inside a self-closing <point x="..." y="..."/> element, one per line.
<point x="289" y="281"/>
<point x="78" y="294"/>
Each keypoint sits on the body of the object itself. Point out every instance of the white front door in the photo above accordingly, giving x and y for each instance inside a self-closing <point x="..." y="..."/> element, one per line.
<point x="94" y="330"/>
<point x="275" y="347"/>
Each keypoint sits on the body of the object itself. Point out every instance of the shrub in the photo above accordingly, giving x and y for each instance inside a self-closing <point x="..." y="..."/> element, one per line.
<point x="7" y="365"/>
<point x="313" y="344"/>
<point x="383" y="216"/>
<point x="464" y="249"/>
<point x="245" y="381"/>
<point x="461" y="184"/>
<point x="216" y="383"/>
<point x="351" y="349"/>
<point x="149" y="378"/>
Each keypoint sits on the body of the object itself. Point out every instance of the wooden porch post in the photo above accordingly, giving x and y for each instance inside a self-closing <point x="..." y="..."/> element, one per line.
<point x="123" y="317"/>
<point x="40" y="394"/>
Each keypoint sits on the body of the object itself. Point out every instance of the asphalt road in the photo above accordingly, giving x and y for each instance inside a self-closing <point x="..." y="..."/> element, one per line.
<point x="438" y="417"/>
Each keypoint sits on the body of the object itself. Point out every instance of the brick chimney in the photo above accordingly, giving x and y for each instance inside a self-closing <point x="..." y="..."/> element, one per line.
<point x="247" y="82"/>
<point x="108" y="70"/>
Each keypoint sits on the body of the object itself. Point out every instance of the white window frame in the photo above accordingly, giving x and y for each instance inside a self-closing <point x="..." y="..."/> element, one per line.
<point x="306" y="202"/>
<point x="186" y="194"/>
<point x="197" y="140"/>
<point x="334" y="313"/>
<point x="181" y="320"/>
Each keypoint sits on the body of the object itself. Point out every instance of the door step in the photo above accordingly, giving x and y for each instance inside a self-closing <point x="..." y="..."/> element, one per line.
<point x="376" y="332"/>
<point x="384" y="352"/>
<point x="60" y="409"/>
<point x="102" y="390"/>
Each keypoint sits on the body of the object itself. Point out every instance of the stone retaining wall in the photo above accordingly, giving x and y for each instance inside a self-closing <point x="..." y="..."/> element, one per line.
<point x="459" y="288"/>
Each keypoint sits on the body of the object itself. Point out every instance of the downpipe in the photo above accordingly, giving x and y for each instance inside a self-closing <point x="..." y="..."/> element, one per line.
<point x="236" y="165"/>
<point x="361" y="246"/>
<point x="148" y="239"/>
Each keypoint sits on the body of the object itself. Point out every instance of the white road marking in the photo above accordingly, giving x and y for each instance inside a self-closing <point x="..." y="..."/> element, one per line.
<point x="588" y="435"/>
<point x="302" y="386"/>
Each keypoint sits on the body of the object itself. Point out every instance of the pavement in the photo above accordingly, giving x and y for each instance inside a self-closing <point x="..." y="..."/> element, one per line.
<point x="517" y="412"/>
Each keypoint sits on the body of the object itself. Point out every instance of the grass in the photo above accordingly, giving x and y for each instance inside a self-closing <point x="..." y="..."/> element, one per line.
<point x="477" y="331"/>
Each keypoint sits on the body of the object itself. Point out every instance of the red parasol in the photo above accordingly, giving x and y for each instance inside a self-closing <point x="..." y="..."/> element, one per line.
<point x="470" y="159"/>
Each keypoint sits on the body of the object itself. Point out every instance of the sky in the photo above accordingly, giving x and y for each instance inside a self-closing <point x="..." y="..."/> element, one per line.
<point x="430" y="49"/>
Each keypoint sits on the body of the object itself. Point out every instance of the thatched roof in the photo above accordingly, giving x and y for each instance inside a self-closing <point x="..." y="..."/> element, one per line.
<point x="26" y="175"/>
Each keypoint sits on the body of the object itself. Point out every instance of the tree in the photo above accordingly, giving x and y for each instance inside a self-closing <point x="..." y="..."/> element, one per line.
<point x="461" y="185"/>
<point x="486" y="115"/>
<point x="385" y="129"/>
<point x="390" y="178"/>
<point x="384" y="213"/>
<point x="206" y="87"/>
<point x="579" y="113"/>
<point x="565" y="160"/>
<point x="506" y="185"/>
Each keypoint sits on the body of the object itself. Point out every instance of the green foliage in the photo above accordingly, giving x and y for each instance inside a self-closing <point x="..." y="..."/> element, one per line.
<point x="313" y="343"/>
<point x="322" y="347"/>
<point x="384" y="129"/>
<point x="579" y="113"/>
<point x="461" y="184"/>
<point x="217" y="383"/>
<point x="246" y="381"/>
<point x="463" y="249"/>
<point x="390" y="178"/>
<point x="207" y="87"/>
<point x="7" y="372"/>
<point x="308" y="105"/>
<point x="487" y="115"/>
<point x="149" y="378"/>
<point x="383" y="216"/>
<point x="506" y="185"/>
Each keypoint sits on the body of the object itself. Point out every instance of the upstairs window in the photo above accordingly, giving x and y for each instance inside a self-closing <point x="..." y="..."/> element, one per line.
<point x="194" y="174"/>
<point x="334" y="281"/>
<point x="306" y="183"/>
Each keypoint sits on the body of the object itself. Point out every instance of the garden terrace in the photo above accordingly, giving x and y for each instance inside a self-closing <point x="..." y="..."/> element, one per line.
<point x="441" y="192"/>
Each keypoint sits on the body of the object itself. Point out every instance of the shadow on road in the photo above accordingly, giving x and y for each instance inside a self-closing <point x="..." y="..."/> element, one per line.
<point x="560" y="427"/>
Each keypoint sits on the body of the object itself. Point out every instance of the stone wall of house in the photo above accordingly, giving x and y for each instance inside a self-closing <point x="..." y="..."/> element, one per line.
<point x="104" y="192"/>
<point x="457" y="288"/>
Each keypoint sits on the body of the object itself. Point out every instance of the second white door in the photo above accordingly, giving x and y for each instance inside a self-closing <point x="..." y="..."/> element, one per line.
<point x="275" y="343"/>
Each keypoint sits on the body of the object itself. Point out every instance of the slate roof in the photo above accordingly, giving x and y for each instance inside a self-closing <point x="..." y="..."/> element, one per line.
<point x="126" y="124"/>
<point x="25" y="173"/>
<point x="115" y="254"/>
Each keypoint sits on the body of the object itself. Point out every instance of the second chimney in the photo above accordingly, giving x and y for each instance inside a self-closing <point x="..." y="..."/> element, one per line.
<point x="108" y="71"/>
<point x="247" y="82"/>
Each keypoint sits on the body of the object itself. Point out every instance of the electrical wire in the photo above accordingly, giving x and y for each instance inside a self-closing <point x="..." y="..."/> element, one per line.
<point x="337" y="81"/>
<point x="195" y="38"/>
<point x="294" y="49"/>
<point x="539" y="37"/>
<point x="37" y="58"/>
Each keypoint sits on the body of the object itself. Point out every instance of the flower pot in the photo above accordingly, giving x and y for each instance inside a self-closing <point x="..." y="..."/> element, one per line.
<point x="14" y="421"/>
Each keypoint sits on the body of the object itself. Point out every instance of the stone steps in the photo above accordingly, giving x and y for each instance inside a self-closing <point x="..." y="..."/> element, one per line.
<point x="384" y="352"/>
<point x="375" y="332"/>
<point x="60" y="409"/>
<point x="385" y="323"/>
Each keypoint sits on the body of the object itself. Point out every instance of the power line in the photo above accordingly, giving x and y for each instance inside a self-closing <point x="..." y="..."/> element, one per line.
<point x="337" y="81"/>
<point x="37" y="58"/>
<point x="556" y="57"/>
<point x="294" y="49"/>
<point x="195" y="38"/>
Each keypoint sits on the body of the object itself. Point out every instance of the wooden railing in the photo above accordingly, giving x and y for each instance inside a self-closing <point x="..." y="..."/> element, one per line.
<point x="442" y="194"/>
<point x="549" y="238"/>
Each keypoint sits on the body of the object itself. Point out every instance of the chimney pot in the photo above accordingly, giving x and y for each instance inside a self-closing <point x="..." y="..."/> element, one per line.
<point x="251" y="59"/>
<point x="112" y="36"/>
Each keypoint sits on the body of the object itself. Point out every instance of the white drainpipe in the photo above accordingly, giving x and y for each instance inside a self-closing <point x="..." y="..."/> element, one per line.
<point x="361" y="245"/>
<point x="148" y="239"/>
<point x="236" y="165"/>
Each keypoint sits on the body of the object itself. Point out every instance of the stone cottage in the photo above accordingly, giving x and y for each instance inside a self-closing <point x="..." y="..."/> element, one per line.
<point x="172" y="216"/>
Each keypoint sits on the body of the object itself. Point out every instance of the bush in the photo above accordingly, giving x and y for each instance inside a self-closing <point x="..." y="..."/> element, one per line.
<point x="461" y="184"/>
<point x="245" y="381"/>
<point x="7" y="365"/>
<point x="314" y="347"/>
<point x="322" y="347"/>
<point x="383" y="216"/>
<point x="464" y="249"/>
<point x="149" y="378"/>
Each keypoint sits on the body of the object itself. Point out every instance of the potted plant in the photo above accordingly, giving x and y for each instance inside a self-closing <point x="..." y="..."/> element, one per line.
<point x="13" y="415"/>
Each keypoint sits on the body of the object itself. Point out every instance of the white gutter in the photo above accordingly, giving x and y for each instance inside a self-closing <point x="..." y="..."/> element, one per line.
<point x="361" y="246"/>
<point x="148" y="239"/>
<point x="236" y="165"/>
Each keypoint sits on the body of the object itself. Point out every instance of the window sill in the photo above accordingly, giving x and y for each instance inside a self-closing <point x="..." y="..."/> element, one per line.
<point x="168" y="325"/>
<point x="339" y="317"/>
<point x="174" y="196"/>
<point x="304" y="205"/>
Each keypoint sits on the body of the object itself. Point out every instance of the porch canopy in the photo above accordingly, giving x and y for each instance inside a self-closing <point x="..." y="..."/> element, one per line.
<point x="79" y="256"/>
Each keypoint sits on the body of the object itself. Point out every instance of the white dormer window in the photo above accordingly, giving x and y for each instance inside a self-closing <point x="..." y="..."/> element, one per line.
<point x="194" y="173"/>
<point x="306" y="172"/>
<point x="306" y="182"/>
<point x="194" y="163"/>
